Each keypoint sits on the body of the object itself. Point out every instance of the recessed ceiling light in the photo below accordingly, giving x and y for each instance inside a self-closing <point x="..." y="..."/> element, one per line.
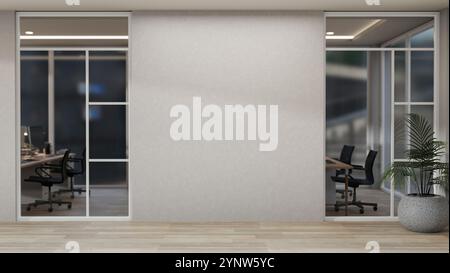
<point x="340" y="37"/>
<point x="28" y="32"/>
<point x="330" y="33"/>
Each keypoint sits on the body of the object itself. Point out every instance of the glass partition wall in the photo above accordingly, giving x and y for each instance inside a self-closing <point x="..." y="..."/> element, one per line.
<point x="382" y="71"/>
<point x="74" y="100"/>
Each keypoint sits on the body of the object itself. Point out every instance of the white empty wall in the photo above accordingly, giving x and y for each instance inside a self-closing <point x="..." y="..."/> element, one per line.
<point x="227" y="58"/>
<point x="7" y="117"/>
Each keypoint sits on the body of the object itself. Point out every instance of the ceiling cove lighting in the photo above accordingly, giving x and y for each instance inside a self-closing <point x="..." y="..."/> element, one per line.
<point x="28" y="32"/>
<point x="369" y="26"/>
<point x="74" y="37"/>
<point x="340" y="37"/>
<point x="330" y="33"/>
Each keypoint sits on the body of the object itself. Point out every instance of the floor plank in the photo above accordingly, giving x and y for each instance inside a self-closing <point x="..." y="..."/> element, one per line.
<point x="216" y="237"/>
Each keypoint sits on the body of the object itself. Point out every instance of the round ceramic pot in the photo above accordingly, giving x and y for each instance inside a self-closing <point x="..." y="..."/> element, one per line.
<point x="423" y="214"/>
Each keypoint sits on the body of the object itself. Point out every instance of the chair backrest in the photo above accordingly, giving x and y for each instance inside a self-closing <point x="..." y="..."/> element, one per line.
<point x="368" y="166"/>
<point x="64" y="164"/>
<point x="346" y="157"/>
<point x="346" y="154"/>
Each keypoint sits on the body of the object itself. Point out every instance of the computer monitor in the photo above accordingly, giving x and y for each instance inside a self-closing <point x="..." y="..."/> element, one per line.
<point x="24" y="137"/>
<point x="37" y="137"/>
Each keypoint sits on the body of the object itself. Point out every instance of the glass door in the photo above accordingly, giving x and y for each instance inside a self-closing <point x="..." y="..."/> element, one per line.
<point x="73" y="115"/>
<point x="75" y="101"/>
<point x="108" y="138"/>
<point x="393" y="75"/>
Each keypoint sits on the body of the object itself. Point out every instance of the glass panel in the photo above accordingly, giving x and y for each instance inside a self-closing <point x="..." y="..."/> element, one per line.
<point x="400" y="131"/>
<point x="70" y="101"/>
<point x="425" y="111"/>
<point x="69" y="132"/>
<point x="346" y="101"/>
<point x="34" y="112"/>
<point x="70" y="124"/>
<point x="108" y="189"/>
<point x="400" y="77"/>
<point x="107" y="132"/>
<point x="107" y="76"/>
<point x="34" y="94"/>
<point x="422" y="76"/>
<point x="423" y="39"/>
<point x="347" y="121"/>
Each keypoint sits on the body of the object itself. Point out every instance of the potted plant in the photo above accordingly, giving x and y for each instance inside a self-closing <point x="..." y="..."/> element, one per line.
<point x="423" y="210"/>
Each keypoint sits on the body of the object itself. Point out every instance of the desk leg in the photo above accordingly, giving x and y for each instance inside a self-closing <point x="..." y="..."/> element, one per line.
<point x="346" y="193"/>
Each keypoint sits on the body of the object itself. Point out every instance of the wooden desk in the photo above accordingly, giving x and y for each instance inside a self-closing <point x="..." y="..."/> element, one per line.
<point x="39" y="159"/>
<point x="332" y="163"/>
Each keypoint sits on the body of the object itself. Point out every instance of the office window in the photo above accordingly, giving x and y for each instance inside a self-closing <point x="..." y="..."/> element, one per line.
<point x="107" y="77"/>
<point x="74" y="97"/>
<point x="107" y="132"/>
<point x="425" y="111"/>
<point x="109" y="189"/>
<point x="422" y="76"/>
<point x="346" y="105"/>
<point x="424" y="39"/>
<point x="399" y="79"/>
<point x="108" y="137"/>
<point x="70" y="131"/>
<point x="34" y="89"/>
<point x="400" y="76"/>
<point x="416" y="87"/>
<point x="400" y="131"/>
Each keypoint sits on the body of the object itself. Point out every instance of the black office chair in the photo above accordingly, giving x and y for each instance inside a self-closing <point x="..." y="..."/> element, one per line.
<point x="45" y="176"/>
<point x="346" y="157"/>
<point x="72" y="172"/>
<point x="356" y="182"/>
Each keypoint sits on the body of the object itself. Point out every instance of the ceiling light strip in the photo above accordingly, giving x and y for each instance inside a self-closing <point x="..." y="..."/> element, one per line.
<point x="74" y="37"/>
<point x="368" y="26"/>
<point x="340" y="37"/>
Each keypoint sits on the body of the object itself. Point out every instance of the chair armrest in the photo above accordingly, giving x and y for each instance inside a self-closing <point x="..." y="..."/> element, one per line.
<point x="44" y="171"/>
<point x="358" y="167"/>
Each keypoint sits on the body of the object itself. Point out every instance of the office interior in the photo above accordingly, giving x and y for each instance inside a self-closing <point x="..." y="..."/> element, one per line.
<point x="73" y="100"/>
<point x="378" y="69"/>
<point x="34" y="52"/>
<point x="144" y="192"/>
<point x="74" y="97"/>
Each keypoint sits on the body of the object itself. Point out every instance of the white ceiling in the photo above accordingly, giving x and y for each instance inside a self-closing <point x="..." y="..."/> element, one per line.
<point x="127" y="5"/>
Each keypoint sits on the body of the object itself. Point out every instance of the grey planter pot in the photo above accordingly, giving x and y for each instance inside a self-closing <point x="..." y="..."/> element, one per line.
<point x="423" y="214"/>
